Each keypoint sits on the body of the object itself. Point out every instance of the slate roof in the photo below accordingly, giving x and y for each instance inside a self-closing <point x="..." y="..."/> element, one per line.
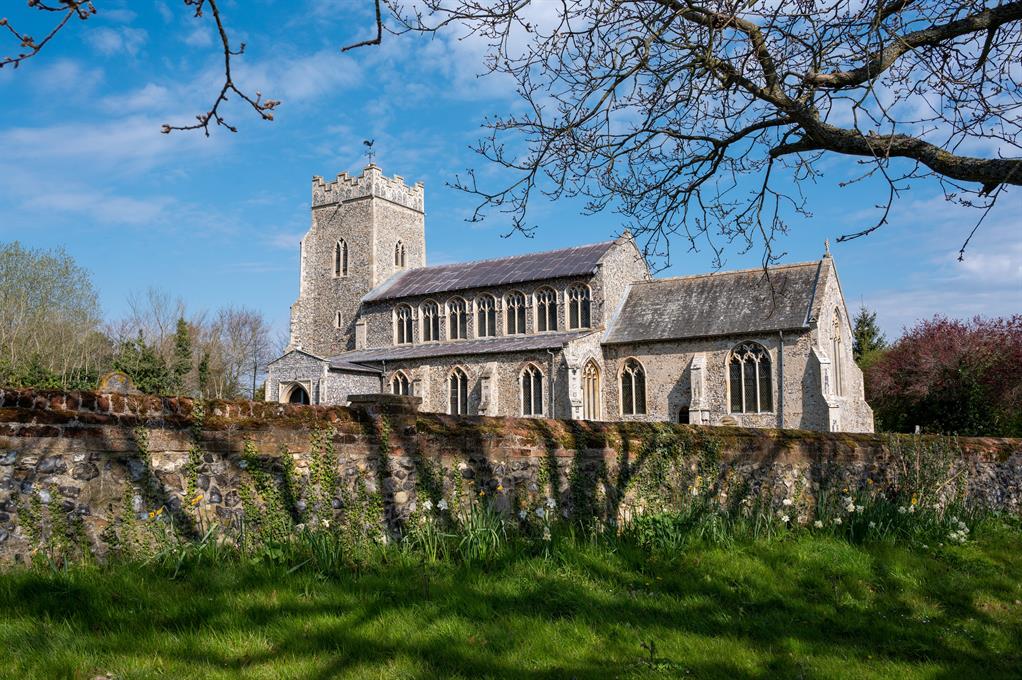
<point x="724" y="303"/>
<point x="577" y="261"/>
<point x="510" y="343"/>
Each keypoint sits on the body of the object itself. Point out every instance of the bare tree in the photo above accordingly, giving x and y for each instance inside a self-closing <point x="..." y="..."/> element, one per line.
<point x="706" y="119"/>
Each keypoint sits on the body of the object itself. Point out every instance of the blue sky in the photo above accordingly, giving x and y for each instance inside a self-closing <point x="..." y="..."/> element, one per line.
<point x="217" y="221"/>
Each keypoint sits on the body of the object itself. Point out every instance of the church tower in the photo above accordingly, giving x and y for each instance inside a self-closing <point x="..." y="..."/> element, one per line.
<point x="364" y="230"/>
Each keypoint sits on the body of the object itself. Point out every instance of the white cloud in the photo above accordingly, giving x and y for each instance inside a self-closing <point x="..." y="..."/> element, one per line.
<point x="297" y="79"/>
<point x="110" y="41"/>
<point x="199" y="36"/>
<point x="67" y="77"/>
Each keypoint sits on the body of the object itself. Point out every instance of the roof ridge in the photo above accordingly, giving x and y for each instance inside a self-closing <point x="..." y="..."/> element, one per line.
<point x="813" y="263"/>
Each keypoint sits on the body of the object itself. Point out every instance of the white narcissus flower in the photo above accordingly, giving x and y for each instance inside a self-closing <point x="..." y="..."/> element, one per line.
<point x="850" y="507"/>
<point x="427" y="504"/>
<point x="326" y="523"/>
<point x="786" y="502"/>
<point x="911" y="509"/>
<point x="785" y="519"/>
<point x="859" y="508"/>
<point x="818" y="524"/>
<point x="837" y="521"/>
<point x="902" y="510"/>
<point x="551" y="503"/>
<point x="442" y="505"/>
<point x="872" y="525"/>
<point x="522" y="514"/>
<point x="540" y="512"/>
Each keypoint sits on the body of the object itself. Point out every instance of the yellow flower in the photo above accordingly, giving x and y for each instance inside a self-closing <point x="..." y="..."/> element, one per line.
<point x="482" y="493"/>
<point x="914" y="500"/>
<point x="500" y="488"/>
<point x="869" y="481"/>
<point x="151" y="515"/>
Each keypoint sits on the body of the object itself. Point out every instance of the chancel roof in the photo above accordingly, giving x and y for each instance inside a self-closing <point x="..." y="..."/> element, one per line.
<point x="578" y="261"/>
<point x="725" y="303"/>
<point x="498" y="345"/>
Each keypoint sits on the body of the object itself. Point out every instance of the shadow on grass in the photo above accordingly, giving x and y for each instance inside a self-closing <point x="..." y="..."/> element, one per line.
<point x="787" y="609"/>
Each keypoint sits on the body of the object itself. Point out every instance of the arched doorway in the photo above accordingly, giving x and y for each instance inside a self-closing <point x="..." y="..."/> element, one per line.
<point x="683" y="417"/>
<point x="298" y="395"/>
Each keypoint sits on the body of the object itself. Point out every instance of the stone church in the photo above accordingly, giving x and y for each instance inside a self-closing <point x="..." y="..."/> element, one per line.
<point x="580" y="333"/>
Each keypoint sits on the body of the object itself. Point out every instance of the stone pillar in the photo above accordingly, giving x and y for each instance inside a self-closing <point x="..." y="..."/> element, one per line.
<point x="698" y="409"/>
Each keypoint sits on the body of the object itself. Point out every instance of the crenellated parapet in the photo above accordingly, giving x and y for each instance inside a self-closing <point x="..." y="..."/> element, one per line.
<point x="371" y="182"/>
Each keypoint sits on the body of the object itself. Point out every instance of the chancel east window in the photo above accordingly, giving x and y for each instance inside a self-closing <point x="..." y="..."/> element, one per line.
<point x="633" y="389"/>
<point x="457" y="383"/>
<point x="514" y="306"/>
<point x="532" y="391"/>
<point x="591" y="391"/>
<point x="341" y="258"/>
<point x="400" y="384"/>
<point x="457" y="319"/>
<point x="403" y="321"/>
<point x="546" y="310"/>
<point x="579" y="307"/>
<point x="430" y="322"/>
<point x="749" y="379"/>
<point x="486" y="317"/>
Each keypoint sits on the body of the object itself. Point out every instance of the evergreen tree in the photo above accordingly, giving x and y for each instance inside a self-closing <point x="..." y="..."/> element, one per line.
<point x="182" y="356"/>
<point x="203" y="374"/>
<point x="867" y="338"/>
<point x="146" y="368"/>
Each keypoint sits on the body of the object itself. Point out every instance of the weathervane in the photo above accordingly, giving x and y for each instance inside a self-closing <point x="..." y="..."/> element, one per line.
<point x="372" y="154"/>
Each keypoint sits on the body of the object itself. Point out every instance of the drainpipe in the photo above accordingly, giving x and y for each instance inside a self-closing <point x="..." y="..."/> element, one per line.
<point x="552" y="354"/>
<point x="780" y="379"/>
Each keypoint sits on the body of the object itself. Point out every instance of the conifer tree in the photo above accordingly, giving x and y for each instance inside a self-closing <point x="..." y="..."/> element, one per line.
<point x="139" y="361"/>
<point x="182" y="355"/>
<point x="867" y="338"/>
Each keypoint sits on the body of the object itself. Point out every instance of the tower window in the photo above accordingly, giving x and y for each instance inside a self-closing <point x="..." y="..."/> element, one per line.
<point x="430" y="322"/>
<point x="458" y="384"/>
<point x="338" y="320"/>
<point x="486" y="322"/>
<point x="457" y="322"/>
<point x="341" y="258"/>
<point x="403" y="325"/>
<point x="749" y="379"/>
<point x="546" y="310"/>
<point x="633" y="389"/>
<point x="532" y="391"/>
<point x="399" y="254"/>
<point x="579" y="307"/>
<point x="514" y="307"/>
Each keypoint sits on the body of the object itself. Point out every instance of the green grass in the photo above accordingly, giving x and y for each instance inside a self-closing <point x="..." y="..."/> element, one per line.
<point x="803" y="606"/>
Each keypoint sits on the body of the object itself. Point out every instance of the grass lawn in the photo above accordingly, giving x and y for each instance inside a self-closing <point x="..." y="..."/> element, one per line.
<point x="803" y="607"/>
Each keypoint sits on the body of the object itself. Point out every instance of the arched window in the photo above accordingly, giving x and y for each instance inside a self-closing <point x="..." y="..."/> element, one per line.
<point x="399" y="254"/>
<point x="338" y="320"/>
<point x="546" y="309"/>
<point x="532" y="391"/>
<point x="486" y="316"/>
<point x="457" y="321"/>
<point x="579" y="307"/>
<point x="749" y="379"/>
<point x="591" y="391"/>
<point x="400" y="384"/>
<point x="430" y="321"/>
<point x="403" y="325"/>
<point x="341" y="258"/>
<point x="514" y="311"/>
<point x="457" y="384"/>
<point x="633" y="389"/>
<point x="299" y="395"/>
<point x="835" y="359"/>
